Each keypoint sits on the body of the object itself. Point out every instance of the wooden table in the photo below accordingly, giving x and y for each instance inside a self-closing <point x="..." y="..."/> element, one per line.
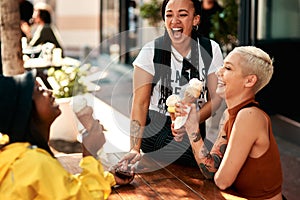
<point x="170" y="182"/>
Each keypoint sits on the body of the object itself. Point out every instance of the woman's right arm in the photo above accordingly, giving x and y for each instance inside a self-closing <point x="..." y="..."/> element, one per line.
<point x="142" y="86"/>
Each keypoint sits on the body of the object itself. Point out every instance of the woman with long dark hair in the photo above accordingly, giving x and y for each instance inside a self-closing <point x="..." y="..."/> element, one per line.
<point x="29" y="169"/>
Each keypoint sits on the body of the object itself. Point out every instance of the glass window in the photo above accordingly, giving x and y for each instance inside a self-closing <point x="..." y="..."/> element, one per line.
<point x="278" y="19"/>
<point x="110" y="24"/>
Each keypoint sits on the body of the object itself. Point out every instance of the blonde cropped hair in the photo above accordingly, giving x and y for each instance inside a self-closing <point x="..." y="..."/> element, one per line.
<point x="258" y="62"/>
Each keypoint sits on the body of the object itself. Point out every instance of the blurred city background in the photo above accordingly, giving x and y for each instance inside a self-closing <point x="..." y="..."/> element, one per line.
<point x="119" y="28"/>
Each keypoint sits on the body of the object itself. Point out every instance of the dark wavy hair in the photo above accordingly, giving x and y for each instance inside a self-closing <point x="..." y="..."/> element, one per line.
<point x="197" y="6"/>
<point x="45" y="16"/>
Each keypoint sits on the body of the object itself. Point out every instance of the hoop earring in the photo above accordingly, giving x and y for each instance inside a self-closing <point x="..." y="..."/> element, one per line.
<point x="196" y="27"/>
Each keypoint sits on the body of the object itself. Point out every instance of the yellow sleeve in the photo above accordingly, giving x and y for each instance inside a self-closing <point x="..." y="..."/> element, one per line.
<point x="94" y="177"/>
<point x="36" y="174"/>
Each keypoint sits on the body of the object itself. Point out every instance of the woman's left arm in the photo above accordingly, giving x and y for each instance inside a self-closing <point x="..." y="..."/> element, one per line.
<point x="242" y="139"/>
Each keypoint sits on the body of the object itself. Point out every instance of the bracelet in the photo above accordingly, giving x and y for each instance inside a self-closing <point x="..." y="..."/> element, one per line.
<point x="195" y="136"/>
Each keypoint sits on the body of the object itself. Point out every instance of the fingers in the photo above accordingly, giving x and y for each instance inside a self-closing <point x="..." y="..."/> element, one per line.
<point x="94" y="139"/>
<point x="124" y="170"/>
<point x="130" y="158"/>
<point x="136" y="159"/>
<point x="113" y="168"/>
<point x="180" y="109"/>
<point x="125" y="157"/>
<point x="193" y="116"/>
<point x="178" y="133"/>
<point x="123" y="165"/>
<point x="178" y="139"/>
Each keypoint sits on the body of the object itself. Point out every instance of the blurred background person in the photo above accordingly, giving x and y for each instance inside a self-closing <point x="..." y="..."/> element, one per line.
<point x="45" y="30"/>
<point x="208" y="9"/>
<point x="26" y="12"/>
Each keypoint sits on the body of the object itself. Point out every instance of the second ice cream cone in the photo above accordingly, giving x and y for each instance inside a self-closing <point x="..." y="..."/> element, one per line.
<point x="171" y="101"/>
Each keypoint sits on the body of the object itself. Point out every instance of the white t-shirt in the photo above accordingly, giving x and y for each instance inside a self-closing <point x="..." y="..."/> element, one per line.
<point x="144" y="60"/>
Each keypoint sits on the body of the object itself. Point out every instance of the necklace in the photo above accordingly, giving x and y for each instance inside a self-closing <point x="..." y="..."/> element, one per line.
<point x="176" y="58"/>
<point x="180" y="59"/>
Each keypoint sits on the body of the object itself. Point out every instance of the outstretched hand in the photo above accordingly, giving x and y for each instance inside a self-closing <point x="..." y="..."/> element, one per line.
<point x="130" y="158"/>
<point x="124" y="170"/>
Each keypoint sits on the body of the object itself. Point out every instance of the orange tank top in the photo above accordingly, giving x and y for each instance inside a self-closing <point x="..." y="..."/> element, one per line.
<point x="259" y="178"/>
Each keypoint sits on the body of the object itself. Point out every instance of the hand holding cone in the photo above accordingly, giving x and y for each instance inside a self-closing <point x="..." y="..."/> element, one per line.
<point x="94" y="139"/>
<point x="191" y="94"/>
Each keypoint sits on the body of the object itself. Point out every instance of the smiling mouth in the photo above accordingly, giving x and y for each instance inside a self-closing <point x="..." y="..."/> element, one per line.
<point x="177" y="30"/>
<point x="220" y="83"/>
<point x="177" y="33"/>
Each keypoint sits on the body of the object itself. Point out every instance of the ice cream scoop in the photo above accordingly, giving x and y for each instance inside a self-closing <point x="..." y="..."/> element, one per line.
<point x="192" y="91"/>
<point x="170" y="102"/>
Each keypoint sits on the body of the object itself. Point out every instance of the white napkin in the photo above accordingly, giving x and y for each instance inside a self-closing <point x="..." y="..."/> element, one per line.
<point x="180" y="121"/>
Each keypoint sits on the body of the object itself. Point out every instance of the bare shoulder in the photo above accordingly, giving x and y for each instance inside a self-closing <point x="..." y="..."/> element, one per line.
<point x="251" y="113"/>
<point x="252" y="116"/>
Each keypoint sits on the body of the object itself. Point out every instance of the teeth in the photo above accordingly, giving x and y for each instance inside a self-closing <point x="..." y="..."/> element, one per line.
<point x="220" y="82"/>
<point x="176" y="29"/>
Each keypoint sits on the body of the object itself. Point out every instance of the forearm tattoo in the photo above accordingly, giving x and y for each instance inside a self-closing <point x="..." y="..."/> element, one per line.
<point x="195" y="137"/>
<point x="135" y="127"/>
<point x="204" y="151"/>
<point x="213" y="159"/>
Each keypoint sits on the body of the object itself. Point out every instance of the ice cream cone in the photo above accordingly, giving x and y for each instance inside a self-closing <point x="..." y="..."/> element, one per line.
<point x="170" y="102"/>
<point x="83" y="112"/>
<point x="191" y="94"/>
<point x="85" y="117"/>
<point x="78" y="103"/>
<point x="193" y="90"/>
